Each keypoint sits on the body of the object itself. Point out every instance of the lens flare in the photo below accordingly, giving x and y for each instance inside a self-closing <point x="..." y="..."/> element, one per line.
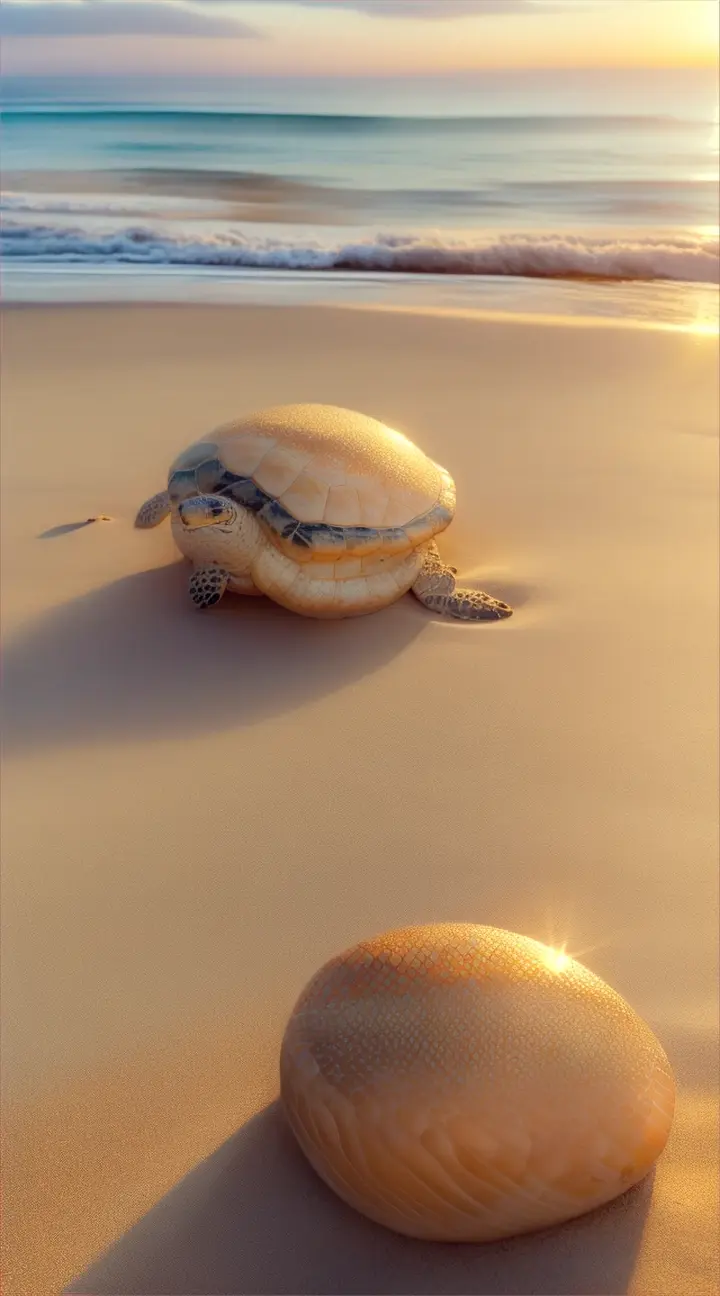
<point x="557" y="959"/>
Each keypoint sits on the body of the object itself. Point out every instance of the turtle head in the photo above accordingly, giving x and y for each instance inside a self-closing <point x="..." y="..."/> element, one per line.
<point x="208" y="510"/>
<point x="213" y="528"/>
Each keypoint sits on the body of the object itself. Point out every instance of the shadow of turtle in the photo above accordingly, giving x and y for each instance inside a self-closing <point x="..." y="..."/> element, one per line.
<point x="254" y="1218"/>
<point x="134" y="658"/>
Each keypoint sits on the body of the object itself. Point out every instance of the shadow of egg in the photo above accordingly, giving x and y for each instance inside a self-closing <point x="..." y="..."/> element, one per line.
<point x="254" y="1218"/>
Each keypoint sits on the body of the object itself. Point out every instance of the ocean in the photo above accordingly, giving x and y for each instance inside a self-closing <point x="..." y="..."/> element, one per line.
<point x="462" y="186"/>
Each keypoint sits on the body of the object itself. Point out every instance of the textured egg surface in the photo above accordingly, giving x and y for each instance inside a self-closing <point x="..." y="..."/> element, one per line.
<point x="463" y="1083"/>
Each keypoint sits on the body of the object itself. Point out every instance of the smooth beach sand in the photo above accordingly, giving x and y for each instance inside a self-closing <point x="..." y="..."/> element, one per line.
<point x="199" y="810"/>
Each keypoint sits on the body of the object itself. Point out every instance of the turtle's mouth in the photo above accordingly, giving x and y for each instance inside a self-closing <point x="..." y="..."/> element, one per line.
<point x="205" y="510"/>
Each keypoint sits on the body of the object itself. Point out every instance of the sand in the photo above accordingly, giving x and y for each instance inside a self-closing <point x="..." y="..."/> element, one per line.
<point x="199" y="810"/>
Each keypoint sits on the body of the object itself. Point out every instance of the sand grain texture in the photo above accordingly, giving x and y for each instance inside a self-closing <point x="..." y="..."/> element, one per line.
<point x="199" y="810"/>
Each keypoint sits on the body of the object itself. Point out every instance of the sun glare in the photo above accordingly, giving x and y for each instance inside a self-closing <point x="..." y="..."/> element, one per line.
<point x="556" y="959"/>
<point x="703" y="328"/>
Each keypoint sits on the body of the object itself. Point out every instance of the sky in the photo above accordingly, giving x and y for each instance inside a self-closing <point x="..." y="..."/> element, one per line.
<point x="345" y="38"/>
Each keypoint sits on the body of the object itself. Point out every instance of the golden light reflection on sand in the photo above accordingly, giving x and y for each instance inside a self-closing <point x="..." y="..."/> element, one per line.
<point x="705" y="322"/>
<point x="703" y="328"/>
<point x="701" y="321"/>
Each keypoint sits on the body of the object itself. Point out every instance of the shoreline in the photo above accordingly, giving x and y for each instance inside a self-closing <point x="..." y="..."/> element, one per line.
<point x="685" y="307"/>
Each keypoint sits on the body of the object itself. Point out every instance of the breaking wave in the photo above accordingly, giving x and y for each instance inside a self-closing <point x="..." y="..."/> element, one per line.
<point x="688" y="257"/>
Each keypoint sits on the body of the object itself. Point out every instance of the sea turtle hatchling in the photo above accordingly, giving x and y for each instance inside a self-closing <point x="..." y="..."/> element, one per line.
<point x="325" y="511"/>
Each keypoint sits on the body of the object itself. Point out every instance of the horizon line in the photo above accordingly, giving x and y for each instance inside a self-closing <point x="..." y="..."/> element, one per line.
<point x="400" y="75"/>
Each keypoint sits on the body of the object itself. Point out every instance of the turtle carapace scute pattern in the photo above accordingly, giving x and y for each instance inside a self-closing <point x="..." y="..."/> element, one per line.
<point x="324" y="510"/>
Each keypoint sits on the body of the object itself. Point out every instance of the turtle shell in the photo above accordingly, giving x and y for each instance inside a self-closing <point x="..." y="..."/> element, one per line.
<point x="323" y="482"/>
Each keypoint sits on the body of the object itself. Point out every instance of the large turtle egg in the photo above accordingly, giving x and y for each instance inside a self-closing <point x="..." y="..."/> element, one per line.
<point x="464" y="1083"/>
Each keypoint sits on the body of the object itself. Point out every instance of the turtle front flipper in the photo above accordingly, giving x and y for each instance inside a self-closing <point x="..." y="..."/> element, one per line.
<point x="207" y="586"/>
<point x="154" y="511"/>
<point x="435" y="588"/>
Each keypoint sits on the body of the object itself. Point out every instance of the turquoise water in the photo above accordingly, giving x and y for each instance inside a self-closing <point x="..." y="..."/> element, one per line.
<point x="502" y="177"/>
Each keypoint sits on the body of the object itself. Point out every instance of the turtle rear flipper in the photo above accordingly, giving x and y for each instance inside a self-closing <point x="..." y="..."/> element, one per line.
<point x="436" y="589"/>
<point x="154" y="511"/>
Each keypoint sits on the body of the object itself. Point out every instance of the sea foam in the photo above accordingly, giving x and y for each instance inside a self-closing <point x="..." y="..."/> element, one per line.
<point x="688" y="257"/>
